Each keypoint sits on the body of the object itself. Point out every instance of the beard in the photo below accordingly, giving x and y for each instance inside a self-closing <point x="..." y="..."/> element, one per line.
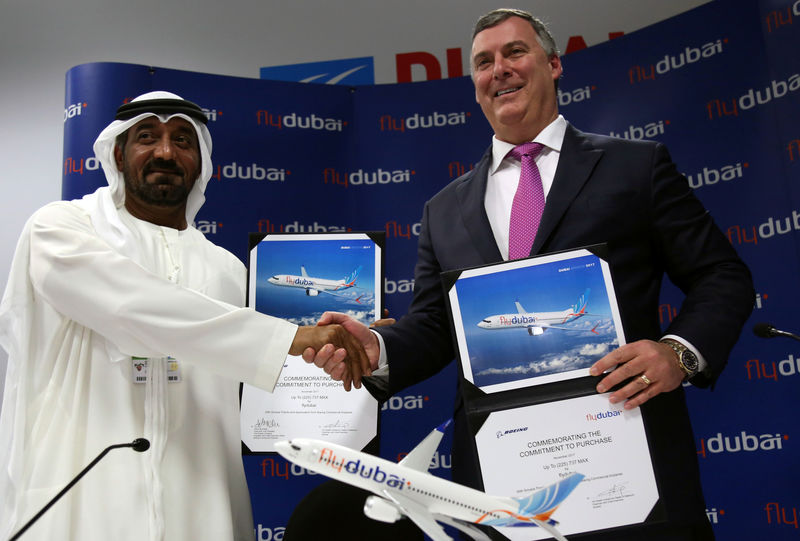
<point x="168" y="188"/>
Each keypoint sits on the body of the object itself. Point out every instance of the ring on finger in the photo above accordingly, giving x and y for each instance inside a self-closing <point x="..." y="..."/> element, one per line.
<point x="645" y="380"/>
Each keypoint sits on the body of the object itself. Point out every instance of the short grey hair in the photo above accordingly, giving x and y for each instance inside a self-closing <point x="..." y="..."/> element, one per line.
<point x="497" y="16"/>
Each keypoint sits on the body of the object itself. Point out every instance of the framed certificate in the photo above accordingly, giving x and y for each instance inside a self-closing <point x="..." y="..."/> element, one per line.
<point x="298" y="277"/>
<point x="526" y="332"/>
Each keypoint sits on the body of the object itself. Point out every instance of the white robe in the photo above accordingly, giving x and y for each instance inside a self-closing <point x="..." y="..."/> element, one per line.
<point x="70" y="391"/>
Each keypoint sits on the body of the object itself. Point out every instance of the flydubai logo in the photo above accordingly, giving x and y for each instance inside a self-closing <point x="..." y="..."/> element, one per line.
<point x="714" y="515"/>
<point x="360" y="177"/>
<point x="754" y="97"/>
<point x="419" y="121"/>
<point x="265" y="533"/>
<point x="709" y="176"/>
<point x="758" y="370"/>
<point x="600" y="415"/>
<point x="793" y="147"/>
<point x="566" y="97"/>
<point x="456" y="169"/>
<point x="267" y="226"/>
<point x="649" y="131"/>
<point x="405" y="231"/>
<point x="782" y="17"/>
<point x="74" y="110"/>
<point x="399" y="286"/>
<point x="771" y="227"/>
<point x="741" y="442"/>
<point x="211" y="114"/>
<point x="781" y="515"/>
<point x="271" y="467"/>
<point x="410" y="402"/>
<point x="301" y="122"/>
<point x="251" y="171"/>
<point x="207" y="227"/>
<point x="355" y="467"/>
<point x="670" y="62"/>
<point x="78" y="165"/>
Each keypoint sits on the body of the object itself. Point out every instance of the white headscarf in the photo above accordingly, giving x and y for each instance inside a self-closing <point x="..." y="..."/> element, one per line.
<point x="102" y="205"/>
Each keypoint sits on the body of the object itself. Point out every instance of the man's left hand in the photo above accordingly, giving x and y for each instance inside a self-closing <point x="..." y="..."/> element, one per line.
<point x="651" y="367"/>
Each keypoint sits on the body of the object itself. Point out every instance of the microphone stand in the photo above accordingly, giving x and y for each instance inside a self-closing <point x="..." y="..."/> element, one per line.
<point x="139" y="444"/>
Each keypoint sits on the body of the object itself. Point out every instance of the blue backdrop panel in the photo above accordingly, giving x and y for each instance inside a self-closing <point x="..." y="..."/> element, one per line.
<point x="719" y="85"/>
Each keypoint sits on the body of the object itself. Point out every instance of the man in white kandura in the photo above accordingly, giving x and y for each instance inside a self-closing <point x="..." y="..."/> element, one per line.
<point x="121" y="320"/>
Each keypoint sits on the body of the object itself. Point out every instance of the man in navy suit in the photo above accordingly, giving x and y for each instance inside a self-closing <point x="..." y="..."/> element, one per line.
<point x="627" y="194"/>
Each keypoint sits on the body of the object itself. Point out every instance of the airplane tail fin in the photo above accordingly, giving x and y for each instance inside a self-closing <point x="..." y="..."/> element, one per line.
<point x="580" y="306"/>
<point x="351" y="280"/>
<point x="542" y="503"/>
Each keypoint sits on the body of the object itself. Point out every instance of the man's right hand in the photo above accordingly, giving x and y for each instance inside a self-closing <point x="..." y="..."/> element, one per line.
<point x="329" y="357"/>
<point x="345" y="358"/>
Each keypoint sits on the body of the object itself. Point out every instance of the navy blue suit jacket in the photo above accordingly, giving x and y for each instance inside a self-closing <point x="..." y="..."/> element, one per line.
<point x="629" y="195"/>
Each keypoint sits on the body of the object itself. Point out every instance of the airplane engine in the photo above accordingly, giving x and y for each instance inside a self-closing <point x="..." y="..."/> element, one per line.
<point x="312" y="292"/>
<point x="535" y="331"/>
<point x="379" y="509"/>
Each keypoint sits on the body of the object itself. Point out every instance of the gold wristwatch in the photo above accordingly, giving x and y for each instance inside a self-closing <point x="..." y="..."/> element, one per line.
<point x="687" y="360"/>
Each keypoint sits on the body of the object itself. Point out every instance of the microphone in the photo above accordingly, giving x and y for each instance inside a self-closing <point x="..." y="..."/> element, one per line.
<point x="765" y="330"/>
<point x="139" y="445"/>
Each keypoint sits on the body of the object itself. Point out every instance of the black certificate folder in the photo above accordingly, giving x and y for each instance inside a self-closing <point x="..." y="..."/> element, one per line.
<point x="526" y="332"/>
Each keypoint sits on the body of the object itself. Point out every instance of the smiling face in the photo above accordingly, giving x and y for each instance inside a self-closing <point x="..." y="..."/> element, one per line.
<point x="514" y="80"/>
<point x="160" y="163"/>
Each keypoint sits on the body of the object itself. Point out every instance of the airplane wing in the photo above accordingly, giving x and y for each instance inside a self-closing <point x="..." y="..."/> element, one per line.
<point x="419" y="515"/>
<point x="420" y="456"/>
<point x="566" y="329"/>
<point x="473" y="532"/>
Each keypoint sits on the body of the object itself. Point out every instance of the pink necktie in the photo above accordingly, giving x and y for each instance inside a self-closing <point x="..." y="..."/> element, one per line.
<point x="526" y="211"/>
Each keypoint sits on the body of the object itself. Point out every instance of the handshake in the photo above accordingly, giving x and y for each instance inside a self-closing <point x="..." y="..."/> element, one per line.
<point x="343" y="347"/>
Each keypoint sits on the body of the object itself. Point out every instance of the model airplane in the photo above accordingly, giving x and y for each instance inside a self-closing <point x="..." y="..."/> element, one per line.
<point x="315" y="286"/>
<point x="538" y="322"/>
<point x="407" y="489"/>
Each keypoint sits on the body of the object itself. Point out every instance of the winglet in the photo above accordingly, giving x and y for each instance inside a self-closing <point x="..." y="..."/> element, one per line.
<point x="442" y="427"/>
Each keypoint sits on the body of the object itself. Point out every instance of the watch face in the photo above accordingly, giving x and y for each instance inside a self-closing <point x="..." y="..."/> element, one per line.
<point x="689" y="360"/>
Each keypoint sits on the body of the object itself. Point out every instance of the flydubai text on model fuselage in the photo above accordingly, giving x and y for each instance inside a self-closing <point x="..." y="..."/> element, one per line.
<point x="407" y="489"/>
<point x="314" y="286"/>
<point x="537" y="322"/>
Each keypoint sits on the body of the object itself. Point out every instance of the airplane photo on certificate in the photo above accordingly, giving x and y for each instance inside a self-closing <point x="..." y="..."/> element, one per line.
<point x="534" y="321"/>
<point x="299" y="277"/>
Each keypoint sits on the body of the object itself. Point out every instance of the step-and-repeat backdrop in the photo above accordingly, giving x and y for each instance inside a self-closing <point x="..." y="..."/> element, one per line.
<point x="719" y="85"/>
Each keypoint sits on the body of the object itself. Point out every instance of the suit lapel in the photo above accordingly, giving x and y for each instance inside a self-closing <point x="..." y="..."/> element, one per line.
<point x="470" y="195"/>
<point x="575" y="165"/>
